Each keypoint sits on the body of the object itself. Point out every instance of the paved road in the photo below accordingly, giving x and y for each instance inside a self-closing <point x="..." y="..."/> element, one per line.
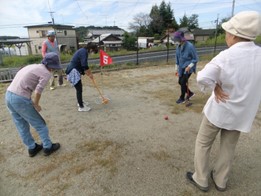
<point x="153" y="56"/>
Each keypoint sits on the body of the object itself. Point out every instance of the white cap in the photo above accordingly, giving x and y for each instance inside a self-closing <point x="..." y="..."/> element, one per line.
<point x="50" y="33"/>
<point x="246" y="24"/>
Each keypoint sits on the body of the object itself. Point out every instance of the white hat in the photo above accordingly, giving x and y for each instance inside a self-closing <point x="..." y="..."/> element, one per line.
<point x="246" y="24"/>
<point x="50" y="33"/>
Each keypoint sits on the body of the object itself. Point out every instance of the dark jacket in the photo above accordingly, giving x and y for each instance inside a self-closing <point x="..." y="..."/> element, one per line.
<point x="79" y="61"/>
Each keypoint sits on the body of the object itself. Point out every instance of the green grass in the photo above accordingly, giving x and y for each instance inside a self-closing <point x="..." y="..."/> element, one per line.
<point x="20" y="61"/>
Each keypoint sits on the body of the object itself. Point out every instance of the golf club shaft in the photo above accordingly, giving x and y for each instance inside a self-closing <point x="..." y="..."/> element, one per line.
<point x="98" y="89"/>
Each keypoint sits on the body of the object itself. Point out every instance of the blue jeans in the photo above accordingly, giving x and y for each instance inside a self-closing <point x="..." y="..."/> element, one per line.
<point x="24" y="114"/>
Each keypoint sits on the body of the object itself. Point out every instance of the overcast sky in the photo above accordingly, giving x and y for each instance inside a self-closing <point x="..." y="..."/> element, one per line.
<point x="15" y="14"/>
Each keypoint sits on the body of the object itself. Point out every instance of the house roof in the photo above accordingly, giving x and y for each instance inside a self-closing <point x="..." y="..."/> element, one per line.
<point x="106" y="31"/>
<point x="51" y="25"/>
<point x="103" y="37"/>
<point x="201" y="32"/>
<point x="14" y="41"/>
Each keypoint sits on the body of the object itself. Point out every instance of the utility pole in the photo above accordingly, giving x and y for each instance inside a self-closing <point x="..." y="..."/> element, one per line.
<point x="233" y="8"/>
<point x="137" y="52"/>
<point x="51" y="14"/>
<point x="168" y="32"/>
<point x="1" y="59"/>
<point x="215" y="45"/>
<point x="169" y="24"/>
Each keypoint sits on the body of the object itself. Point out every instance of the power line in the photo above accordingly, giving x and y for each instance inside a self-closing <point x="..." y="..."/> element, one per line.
<point x="81" y="9"/>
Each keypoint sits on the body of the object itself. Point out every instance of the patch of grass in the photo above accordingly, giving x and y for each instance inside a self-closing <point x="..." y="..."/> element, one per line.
<point x="20" y="61"/>
<point x="101" y="154"/>
<point x="160" y="155"/>
<point x="104" y="153"/>
<point x="3" y="87"/>
<point x="168" y="97"/>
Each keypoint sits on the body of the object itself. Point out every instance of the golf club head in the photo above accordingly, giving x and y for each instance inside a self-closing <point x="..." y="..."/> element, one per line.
<point x="100" y="100"/>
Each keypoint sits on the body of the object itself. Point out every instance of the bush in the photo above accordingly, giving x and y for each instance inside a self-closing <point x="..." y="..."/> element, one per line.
<point x="19" y="61"/>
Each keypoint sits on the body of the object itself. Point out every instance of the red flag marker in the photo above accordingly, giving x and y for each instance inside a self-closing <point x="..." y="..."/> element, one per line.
<point x="105" y="59"/>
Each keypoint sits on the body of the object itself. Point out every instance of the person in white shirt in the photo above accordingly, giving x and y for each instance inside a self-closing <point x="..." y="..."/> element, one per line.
<point x="234" y="76"/>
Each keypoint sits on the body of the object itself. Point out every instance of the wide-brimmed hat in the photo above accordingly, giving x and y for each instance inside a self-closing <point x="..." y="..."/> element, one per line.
<point x="51" y="60"/>
<point x="179" y="36"/>
<point x="50" y="33"/>
<point x="246" y="24"/>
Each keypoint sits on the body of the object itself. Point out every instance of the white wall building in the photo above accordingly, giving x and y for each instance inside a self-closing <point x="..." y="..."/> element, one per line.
<point x="65" y="35"/>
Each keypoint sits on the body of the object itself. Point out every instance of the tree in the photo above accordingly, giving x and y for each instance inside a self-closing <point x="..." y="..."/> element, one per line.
<point x="140" y="22"/>
<point x="162" y="18"/>
<point x="193" y="22"/>
<point x="156" y="20"/>
<point x="220" y="30"/>
<point x="166" y="14"/>
<point x="81" y="32"/>
<point x="129" y="41"/>
<point x="174" y="24"/>
<point x="184" y="21"/>
<point x="189" y="22"/>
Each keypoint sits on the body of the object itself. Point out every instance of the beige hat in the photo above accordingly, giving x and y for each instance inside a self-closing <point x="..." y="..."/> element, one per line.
<point x="246" y="24"/>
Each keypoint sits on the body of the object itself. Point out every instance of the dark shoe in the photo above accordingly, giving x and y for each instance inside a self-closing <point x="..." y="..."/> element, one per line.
<point x="33" y="152"/>
<point x="190" y="96"/>
<point x="179" y="101"/>
<point x="48" y="151"/>
<point x="190" y="179"/>
<point x="217" y="187"/>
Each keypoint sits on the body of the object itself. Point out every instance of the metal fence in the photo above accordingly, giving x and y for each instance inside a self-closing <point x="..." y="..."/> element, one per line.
<point x="7" y="75"/>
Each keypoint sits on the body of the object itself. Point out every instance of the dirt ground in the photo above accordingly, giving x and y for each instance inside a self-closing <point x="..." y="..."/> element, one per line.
<point x="125" y="148"/>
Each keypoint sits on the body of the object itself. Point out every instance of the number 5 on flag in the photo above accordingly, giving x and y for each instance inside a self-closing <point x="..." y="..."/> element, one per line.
<point x="105" y="59"/>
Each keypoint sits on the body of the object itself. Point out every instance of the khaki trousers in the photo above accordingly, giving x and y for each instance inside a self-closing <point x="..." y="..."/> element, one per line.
<point x="59" y="73"/>
<point x="205" y="138"/>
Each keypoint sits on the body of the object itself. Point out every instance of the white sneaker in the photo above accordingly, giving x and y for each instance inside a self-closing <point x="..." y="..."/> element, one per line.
<point x="84" y="109"/>
<point x="52" y="88"/>
<point x="61" y="85"/>
<point x="85" y="103"/>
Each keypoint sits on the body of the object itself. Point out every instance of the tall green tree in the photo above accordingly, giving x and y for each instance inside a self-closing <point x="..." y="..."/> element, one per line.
<point x="184" y="21"/>
<point x="162" y="18"/>
<point x="156" y="23"/>
<point x="190" y="22"/>
<point x="174" y="24"/>
<point x="166" y="14"/>
<point x="156" y="20"/>
<point x="129" y="41"/>
<point x="193" y="22"/>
